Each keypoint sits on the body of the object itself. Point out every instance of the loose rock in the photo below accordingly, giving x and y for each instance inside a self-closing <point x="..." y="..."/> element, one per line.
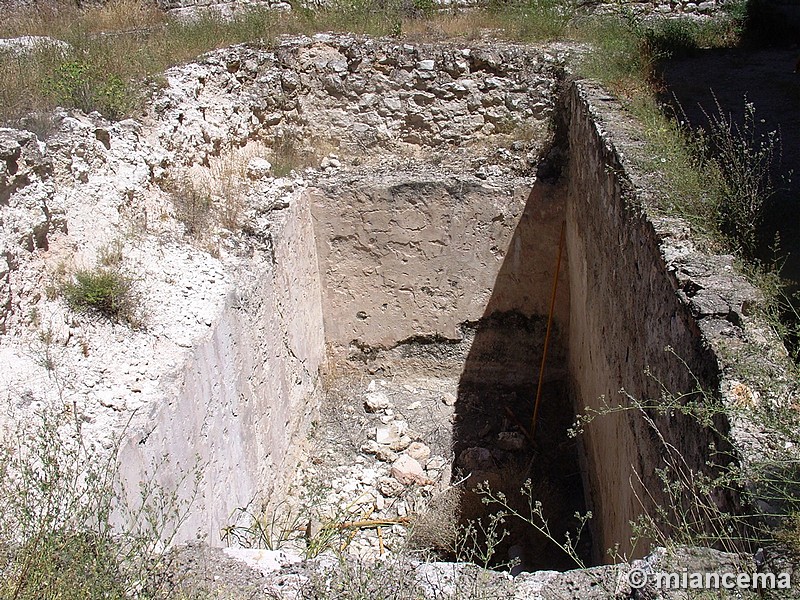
<point x="511" y="441"/>
<point x="476" y="459"/>
<point x="258" y="168"/>
<point x="390" y="433"/>
<point x="408" y="471"/>
<point x="376" y="401"/>
<point x="390" y="487"/>
<point x="418" y="451"/>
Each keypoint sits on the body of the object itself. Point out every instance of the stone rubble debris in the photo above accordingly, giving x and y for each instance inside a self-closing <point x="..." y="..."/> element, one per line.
<point x="408" y="471"/>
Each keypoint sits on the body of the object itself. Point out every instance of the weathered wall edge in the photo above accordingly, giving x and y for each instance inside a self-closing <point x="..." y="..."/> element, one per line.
<point x="638" y="284"/>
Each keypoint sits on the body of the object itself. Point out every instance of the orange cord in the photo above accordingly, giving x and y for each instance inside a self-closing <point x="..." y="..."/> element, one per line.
<point x="547" y="335"/>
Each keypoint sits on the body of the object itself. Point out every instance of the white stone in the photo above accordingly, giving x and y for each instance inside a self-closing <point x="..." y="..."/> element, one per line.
<point x="418" y="451"/>
<point x="376" y="401"/>
<point x="389" y="487"/>
<point x="28" y="44"/>
<point x="265" y="561"/>
<point x="393" y="104"/>
<point x="330" y="162"/>
<point x="258" y="168"/>
<point x="370" y="447"/>
<point x="400" y="444"/>
<point x="385" y="454"/>
<point x="391" y="432"/>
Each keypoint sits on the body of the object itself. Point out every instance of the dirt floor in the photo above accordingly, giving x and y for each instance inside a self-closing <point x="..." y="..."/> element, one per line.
<point x="418" y="401"/>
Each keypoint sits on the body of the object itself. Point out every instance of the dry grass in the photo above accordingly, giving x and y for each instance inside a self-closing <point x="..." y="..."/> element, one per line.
<point x="117" y="49"/>
<point x="436" y="527"/>
<point x="224" y="181"/>
<point x="471" y="25"/>
<point x="206" y="198"/>
<point x="61" y="19"/>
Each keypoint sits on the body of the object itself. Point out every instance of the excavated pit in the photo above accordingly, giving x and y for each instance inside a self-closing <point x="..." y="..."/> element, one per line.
<point x="495" y="445"/>
<point x="449" y="278"/>
<point x="360" y="341"/>
<point x="414" y="270"/>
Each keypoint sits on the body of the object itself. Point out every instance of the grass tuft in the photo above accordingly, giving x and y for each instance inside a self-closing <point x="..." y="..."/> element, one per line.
<point x="105" y="291"/>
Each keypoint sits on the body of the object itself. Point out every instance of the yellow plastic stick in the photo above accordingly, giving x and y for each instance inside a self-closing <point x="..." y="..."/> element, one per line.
<point x="547" y="335"/>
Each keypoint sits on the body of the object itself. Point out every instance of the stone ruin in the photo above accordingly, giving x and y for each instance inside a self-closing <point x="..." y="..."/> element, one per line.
<point x="361" y="306"/>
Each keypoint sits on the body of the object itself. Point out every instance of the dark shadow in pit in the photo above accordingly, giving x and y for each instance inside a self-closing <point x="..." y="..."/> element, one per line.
<point x="492" y="428"/>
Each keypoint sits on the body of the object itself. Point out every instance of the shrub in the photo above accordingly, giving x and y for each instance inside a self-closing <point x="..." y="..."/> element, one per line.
<point x="79" y="84"/>
<point x="747" y="160"/>
<point x="105" y="291"/>
<point x="58" y="500"/>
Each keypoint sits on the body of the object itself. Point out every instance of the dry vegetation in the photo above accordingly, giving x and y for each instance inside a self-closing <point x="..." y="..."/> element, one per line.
<point x="117" y="50"/>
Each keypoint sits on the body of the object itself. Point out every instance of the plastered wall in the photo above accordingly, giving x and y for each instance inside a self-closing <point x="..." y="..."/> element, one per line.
<point x="245" y="397"/>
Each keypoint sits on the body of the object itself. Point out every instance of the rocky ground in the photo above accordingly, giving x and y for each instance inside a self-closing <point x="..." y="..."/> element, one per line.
<point x="378" y="458"/>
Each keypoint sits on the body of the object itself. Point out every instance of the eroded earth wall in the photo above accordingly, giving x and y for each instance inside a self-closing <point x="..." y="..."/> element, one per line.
<point x="421" y="254"/>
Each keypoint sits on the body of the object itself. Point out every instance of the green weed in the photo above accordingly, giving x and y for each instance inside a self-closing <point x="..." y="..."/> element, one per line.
<point x="105" y="291"/>
<point x="58" y="502"/>
<point x="78" y="84"/>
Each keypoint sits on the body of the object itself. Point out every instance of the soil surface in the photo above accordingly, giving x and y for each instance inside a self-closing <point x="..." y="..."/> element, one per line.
<point x="404" y="438"/>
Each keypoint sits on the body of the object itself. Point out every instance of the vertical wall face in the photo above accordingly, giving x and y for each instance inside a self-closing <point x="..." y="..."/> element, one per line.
<point x="247" y="392"/>
<point x="624" y="311"/>
<point x="409" y="256"/>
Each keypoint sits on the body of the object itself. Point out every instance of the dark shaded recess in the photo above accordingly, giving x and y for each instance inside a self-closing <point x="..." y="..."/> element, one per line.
<point x="771" y="24"/>
<point x="491" y="432"/>
<point x="764" y="70"/>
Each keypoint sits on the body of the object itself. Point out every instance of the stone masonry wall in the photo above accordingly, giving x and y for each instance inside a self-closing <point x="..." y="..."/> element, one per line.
<point x="636" y="286"/>
<point x="355" y="95"/>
